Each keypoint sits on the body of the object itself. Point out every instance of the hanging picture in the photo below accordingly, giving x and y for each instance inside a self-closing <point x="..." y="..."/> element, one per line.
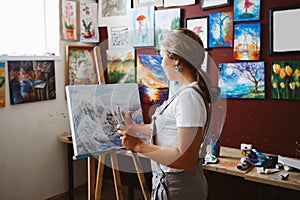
<point x="247" y="41"/>
<point x="211" y="4"/>
<point x="94" y="115"/>
<point x="142" y="3"/>
<point x="112" y="10"/>
<point x="165" y="20"/>
<point x="31" y="80"/>
<point x="121" y="65"/>
<point x="2" y="84"/>
<point x="142" y="26"/>
<point x="152" y="80"/>
<point x="69" y="17"/>
<point x="246" y="10"/>
<point x="220" y="30"/>
<point x="286" y="80"/>
<point x="172" y="3"/>
<point x="88" y="22"/>
<point x="199" y="25"/>
<point x="244" y="80"/>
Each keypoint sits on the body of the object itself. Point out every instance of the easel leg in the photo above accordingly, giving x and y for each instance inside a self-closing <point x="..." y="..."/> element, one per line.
<point x="99" y="179"/>
<point x="91" y="178"/>
<point x="117" y="179"/>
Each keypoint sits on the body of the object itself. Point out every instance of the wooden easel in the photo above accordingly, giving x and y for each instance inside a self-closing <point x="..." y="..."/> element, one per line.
<point x="116" y="175"/>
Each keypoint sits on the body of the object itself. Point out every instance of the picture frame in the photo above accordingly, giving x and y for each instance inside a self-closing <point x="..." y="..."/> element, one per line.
<point x="283" y="36"/>
<point x="211" y="4"/>
<point x="199" y="25"/>
<point x="141" y="3"/>
<point x="81" y="67"/>
<point x="69" y="20"/>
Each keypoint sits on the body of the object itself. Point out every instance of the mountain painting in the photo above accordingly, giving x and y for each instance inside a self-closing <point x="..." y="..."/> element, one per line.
<point x="244" y="80"/>
<point x="93" y="113"/>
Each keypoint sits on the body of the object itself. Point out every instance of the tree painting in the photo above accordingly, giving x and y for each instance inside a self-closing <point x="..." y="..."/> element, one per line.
<point x="242" y="80"/>
<point x="221" y="29"/>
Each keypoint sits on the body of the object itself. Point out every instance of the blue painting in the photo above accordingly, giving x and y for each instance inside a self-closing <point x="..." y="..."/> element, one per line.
<point x="142" y="26"/>
<point x="246" y="10"/>
<point x="245" y="80"/>
<point x="93" y="112"/>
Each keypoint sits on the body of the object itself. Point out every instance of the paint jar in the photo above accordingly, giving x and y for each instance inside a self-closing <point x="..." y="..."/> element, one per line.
<point x="215" y="147"/>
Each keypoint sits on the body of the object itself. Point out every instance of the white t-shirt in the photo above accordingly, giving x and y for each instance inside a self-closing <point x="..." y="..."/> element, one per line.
<point x="186" y="110"/>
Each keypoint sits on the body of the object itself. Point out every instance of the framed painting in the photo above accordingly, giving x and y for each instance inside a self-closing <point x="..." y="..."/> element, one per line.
<point x="141" y="3"/>
<point x="199" y="25"/>
<point x="220" y="30"/>
<point x="2" y="84"/>
<point x="246" y="10"/>
<point x="210" y="4"/>
<point x="283" y="30"/>
<point x="247" y="41"/>
<point x="173" y="3"/>
<point x="285" y="80"/>
<point x="69" y="20"/>
<point x="89" y="22"/>
<point x="81" y="68"/>
<point x="243" y="80"/>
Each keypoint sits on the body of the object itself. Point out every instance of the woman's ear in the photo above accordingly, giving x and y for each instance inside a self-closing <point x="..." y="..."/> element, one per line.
<point x="176" y="62"/>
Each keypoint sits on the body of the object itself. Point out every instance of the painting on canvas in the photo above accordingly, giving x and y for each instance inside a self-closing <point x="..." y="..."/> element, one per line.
<point x="31" y="80"/>
<point x="244" y="80"/>
<point x="220" y="29"/>
<point x="88" y="22"/>
<point x="246" y="10"/>
<point x="2" y="84"/>
<point x="247" y="41"/>
<point x="199" y="25"/>
<point x="93" y="112"/>
<point x="152" y="80"/>
<point x="142" y="26"/>
<point x="69" y="14"/>
<point x="121" y="65"/>
<point x="286" y="80"/>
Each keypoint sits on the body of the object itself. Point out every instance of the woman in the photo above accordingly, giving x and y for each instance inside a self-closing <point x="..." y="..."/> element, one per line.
<point x="179" y="124"/>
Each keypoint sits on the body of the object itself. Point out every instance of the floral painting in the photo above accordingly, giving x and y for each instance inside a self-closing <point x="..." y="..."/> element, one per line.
<point x="142" y="26"/>
<point x="220" y="29"/>
<point x="244" y="80"/>
<point x="88" y="22"/>
<point x="121" y="65"/>
<point x="69" y="20"/>
<point x="246" y="10"/>
<point x="2" y="84"/>
<point x="286" y="80"/>
<point x="199" y="25"/>
<point x="247" y="41"/>
<point x="152" y="80"/>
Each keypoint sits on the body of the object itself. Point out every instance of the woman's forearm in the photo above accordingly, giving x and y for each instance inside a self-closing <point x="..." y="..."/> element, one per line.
<point x="143" y="129"/>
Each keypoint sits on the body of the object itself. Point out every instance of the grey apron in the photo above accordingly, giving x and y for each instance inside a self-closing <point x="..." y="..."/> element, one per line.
<point x="183" y="185"/>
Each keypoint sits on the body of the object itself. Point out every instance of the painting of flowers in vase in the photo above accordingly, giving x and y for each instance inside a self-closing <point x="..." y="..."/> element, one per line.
<point x="285" y="80"/>
<point x="69" y="30"/>
<point x="88" y="22"/>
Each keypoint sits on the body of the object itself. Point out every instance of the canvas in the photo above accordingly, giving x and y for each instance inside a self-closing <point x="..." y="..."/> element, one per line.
<point x="92" y="112"/>
<point x="244" y="80"/>
<point x="88" y="22"/>
<point x="2" y="84"/>
<point x="246" y="10"/>
<point x="199" y="25"/>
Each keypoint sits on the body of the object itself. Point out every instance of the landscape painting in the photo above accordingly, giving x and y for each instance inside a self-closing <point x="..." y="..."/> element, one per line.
<point x="244" y="80"/>
<point x="246" y="10"/>
<point x="286" y="80"/>
<point x="152" y="80"/>
<point x="121" y="65"/>
<point x="2" y="84"/>
<point x="94" y="115"/>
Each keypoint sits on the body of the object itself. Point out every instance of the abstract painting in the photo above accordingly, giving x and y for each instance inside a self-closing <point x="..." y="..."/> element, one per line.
<point x="199" y="25"/>
<point x="165" y="20"/>
<point x="88" y="22"/>
<point x="2" y="84"/>
<point x="121" y="65"/>
<point x="246" y="10"/>
<point x="142" y="26"/>
<point x="31" y="80"/>
<point x="220" y="29"/>
<point x="247" y="41"/>
<point x="93" y="112"/>
<point x="244" y="80"/>
<point x="286" y="80"/>
<point x="152" y="80"/>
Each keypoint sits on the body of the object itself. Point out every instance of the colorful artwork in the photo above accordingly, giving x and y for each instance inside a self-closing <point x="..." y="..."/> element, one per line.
<point x="2" y="84"/>
<point x="286" y="80"/>
<point x="88" y="22"/>
<point x="165" y="20"/>
<point x="220" y="29"/>
<point x="69" y="20"/>
<point x="31" y="81"/>
<point x="121" y="65"/>
<point x="152" y="80"/>
<point x="242" y="80"/>
<point x="247" y="41"/>
<point x="246" y="10"/>
<point x="142" y="26"/>
<point x="93" y="113"/>
<point x="199" y="25"/>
